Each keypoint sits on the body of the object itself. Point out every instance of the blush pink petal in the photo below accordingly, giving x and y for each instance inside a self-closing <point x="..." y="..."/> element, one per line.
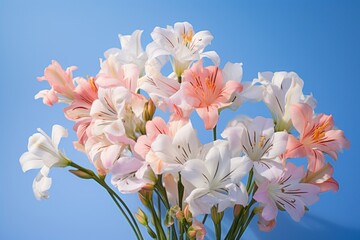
<point x="61" y="81"/>
<point x="209" y="115"/>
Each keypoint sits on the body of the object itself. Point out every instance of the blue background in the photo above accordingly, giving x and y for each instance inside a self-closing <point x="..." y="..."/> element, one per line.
<point x="317" y="39"/>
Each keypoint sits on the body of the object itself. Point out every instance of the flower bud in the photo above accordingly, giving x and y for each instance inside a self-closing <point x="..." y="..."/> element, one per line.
<point x="145" y="194"/>
<point x="80" y="174"/>
<point x="215" y="215"/>
<point x="237" y="210"/>
<point x="187" y="214"/>
<point x="149" y="110"/>
<point x="141" y="217"/>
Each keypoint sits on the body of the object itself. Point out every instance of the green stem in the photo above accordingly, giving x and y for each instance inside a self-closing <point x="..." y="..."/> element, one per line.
<point x="214" y="133"/>
<point x="159" y="230"/>
<point x="217" y="230"/>
<point x="204" y="219"/>
<point x="246" y="225"/>
<point x="114" y="196"/>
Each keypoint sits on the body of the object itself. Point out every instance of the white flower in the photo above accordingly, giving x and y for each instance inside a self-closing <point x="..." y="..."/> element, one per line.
<point x="216" y="180"/>
<point x="44" y="153"/>
<point x="130" y="52"/>
<point x="181" y="44"/>
<point x="250" y="91"/>
<point x="175" y="151"/>
<point x="282" y="89"/>
<point x="255" y="140"/>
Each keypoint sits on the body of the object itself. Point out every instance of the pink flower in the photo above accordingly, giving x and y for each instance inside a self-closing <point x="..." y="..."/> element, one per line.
<point x="322" y="178"/>
<point x="205" y="90"/>
<point x="286" y="192"/>
<point x="61" y="83"/>
<point x="79" y="110"/>
<point x="317" y="136"/>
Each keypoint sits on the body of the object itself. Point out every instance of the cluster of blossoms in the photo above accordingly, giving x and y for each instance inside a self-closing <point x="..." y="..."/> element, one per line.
<point x="253" y="169"/>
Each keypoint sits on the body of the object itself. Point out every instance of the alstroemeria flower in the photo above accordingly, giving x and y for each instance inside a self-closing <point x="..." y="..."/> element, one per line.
<point x="118" y="114"/>
<point x="131" y="173"/>
<point x="130" y="51"/>
<point x="114" y="74"/>
<point x="182" y="44"/>
<point x="79" y="109"/>
<point x="317" y="136"/>
<point x="286" y="192"/>
<point x="282" y="90"/>
<point x="173" y="151"/>
<point x="256" y="140"/>
<point x="215" y="180"/>
<point x="205" y="90"/>
<point x="44" y="153"/>
<point x="61" y="82"/>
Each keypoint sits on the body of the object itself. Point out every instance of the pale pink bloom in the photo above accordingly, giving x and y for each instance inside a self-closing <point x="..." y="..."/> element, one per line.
<point x="322" y="178"/>
<point x="153" y="128"/>
<point x="265" y="225"/>
<point x="131" y="173"/>
<point x="79" y="109"/>
<point x="61" y="83"/>
<point x="286" y="192"/>
<point x="281" y="90"/>
<point x="205" y="90"/>
<point x="182" y="44"/>
<point x="115" y="74"/>
<point x="215" y="179"/>
<point x="317" y="136"/>
<point x="130" y="51"/>
<point x="49" y="96"/>
<point x="43" y="153"/>
<point x="255" y="139"/>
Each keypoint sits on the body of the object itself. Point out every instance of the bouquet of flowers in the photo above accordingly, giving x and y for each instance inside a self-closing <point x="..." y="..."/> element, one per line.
<point x="251" y="170"/>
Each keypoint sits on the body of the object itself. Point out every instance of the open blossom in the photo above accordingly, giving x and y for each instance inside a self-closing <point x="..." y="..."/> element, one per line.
<point x="43" y="153"/>
<point x="215" y="178"/>
<point x="131" y="173"/>
<point x="317" y="136"/>
<point x="255" y="139"/>
<point x="170" y="152"/>
<point x="286" y="192"/>
<point x="130" y="51"/>
<point x="282" y="90"/>
<point x="205" y="90"/>
<point x="182" y="44"/>
<point x="117" y="113"/>
<point x="61" y="82"/>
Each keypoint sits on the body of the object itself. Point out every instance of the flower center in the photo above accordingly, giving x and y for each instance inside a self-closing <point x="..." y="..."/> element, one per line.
<point x="319" y="131"/>
<point x="187" y="37"/>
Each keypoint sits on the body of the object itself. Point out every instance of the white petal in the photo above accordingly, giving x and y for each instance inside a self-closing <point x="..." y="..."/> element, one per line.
<point x="57" y="133"/>
<point x="30" y="161"/>
<point x="42" y="184"/>
<point x="233" y="71"/>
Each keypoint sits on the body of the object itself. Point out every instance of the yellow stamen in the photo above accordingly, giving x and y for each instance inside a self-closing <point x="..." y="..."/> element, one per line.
<point x="187" y="37"/>
<point x="319" y="132"/>
<point x="92" y="84"/>
<point x="262" y="141"/>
